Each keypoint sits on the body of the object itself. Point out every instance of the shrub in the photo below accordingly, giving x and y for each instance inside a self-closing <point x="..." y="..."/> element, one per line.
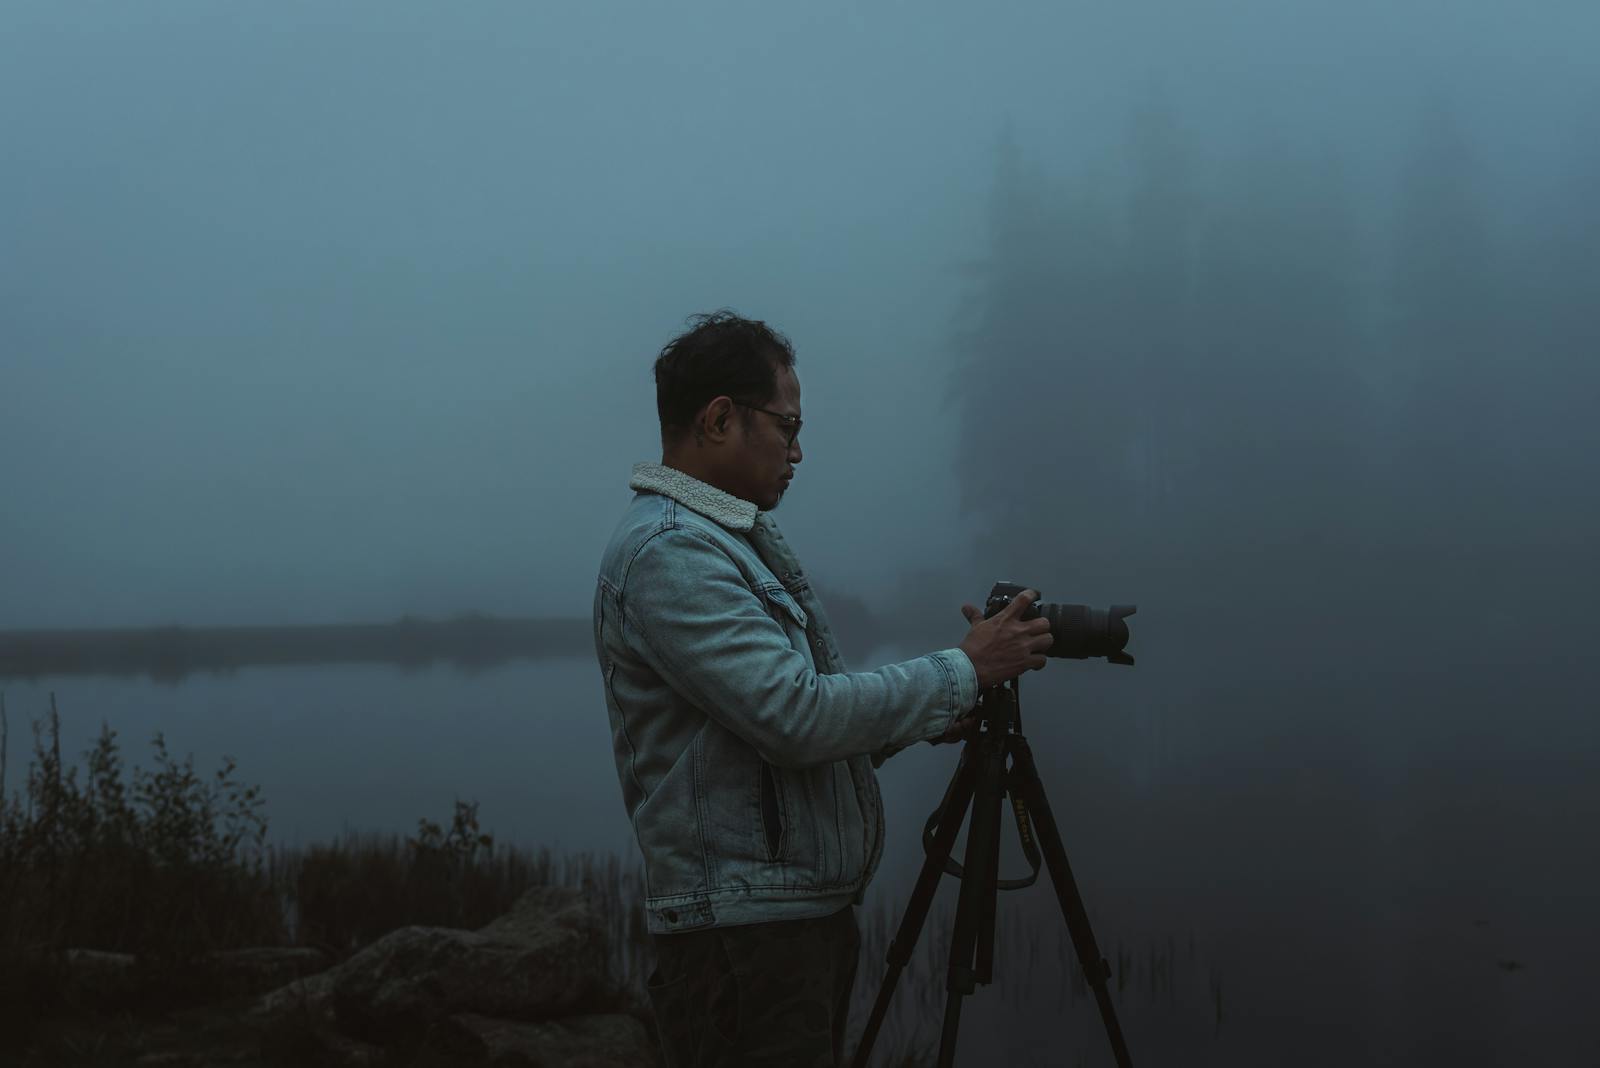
<point x="168" y="870"/>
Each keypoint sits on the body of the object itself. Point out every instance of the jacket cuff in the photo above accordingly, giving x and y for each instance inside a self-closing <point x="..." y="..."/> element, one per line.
<point x="963" y="681"/>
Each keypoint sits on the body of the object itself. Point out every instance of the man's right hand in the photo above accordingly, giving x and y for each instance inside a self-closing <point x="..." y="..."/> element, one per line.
<point x="1006" y="645"/>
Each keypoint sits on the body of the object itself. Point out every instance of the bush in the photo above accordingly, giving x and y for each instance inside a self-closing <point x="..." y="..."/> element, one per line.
<point x="348" y="894"/>
<point x="168" y="870"/>
<point x="171" y="868"/>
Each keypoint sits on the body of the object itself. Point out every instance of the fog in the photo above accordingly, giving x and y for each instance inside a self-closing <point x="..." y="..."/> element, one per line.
<point x="328" y="314"/>
<point x="1275" y="319"/>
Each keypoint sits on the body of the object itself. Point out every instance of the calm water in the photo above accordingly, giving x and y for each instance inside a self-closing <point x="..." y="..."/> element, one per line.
<point x="371" y="747"/>
<point x="1351" y="854"/>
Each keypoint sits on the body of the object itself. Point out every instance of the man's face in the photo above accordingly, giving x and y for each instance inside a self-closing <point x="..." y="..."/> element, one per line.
<point x="760" y="465"/>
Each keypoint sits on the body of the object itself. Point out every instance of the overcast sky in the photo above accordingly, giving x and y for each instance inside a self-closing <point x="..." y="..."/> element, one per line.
<point x="1276" y="318"/>
<point x="315" y="312"/>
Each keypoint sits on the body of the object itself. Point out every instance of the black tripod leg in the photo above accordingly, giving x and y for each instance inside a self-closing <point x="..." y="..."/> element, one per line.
<point x="977" y="883"/>
<point x="983" y="968"/>
<point x="951" y="815"/>
<point x="1025" y="779"/>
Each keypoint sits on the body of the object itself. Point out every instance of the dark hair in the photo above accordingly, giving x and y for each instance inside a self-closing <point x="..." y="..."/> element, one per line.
<point x="720" y="355"/>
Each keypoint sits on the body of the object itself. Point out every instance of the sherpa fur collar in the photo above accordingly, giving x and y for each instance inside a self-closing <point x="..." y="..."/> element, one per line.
<point x="732" y="512"/>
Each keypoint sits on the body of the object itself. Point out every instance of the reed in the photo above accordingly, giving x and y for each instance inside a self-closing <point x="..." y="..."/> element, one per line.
<point x="174" y="865"/>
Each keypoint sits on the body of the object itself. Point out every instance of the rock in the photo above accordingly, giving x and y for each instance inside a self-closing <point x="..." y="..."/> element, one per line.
<point x="541" y="959"/>
<point x="98" y="962"/>
<point x="538" y="910"/>
<point x="101" y="978"/>
<point x="109" y="979"/>
<point x="312" y="996"/>
<point x="611" y="1040"/>
<point x="350" y="1052"/>
<point x="251" y="971"/>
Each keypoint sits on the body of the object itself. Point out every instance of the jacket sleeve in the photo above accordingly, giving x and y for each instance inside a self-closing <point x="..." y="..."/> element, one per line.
<point x="690" y="615"/>
<point x="886" y="752"/>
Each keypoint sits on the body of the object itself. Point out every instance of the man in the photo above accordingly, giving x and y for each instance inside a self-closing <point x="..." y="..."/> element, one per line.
<point x="744" y="750"/>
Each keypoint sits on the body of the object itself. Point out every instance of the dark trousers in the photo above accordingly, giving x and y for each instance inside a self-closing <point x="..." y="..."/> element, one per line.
<point x="765" y="993"/>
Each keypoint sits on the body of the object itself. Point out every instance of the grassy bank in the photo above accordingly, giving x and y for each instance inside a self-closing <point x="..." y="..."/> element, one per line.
<point x="170" y="865"/>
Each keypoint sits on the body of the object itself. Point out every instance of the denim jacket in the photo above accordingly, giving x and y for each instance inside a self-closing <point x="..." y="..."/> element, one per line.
<point x="744" y="749"/>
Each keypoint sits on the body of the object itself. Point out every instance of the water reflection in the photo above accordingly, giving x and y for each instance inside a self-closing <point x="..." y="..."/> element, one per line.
<point x="368" y="747"/>
<point x="1307" y="869"/>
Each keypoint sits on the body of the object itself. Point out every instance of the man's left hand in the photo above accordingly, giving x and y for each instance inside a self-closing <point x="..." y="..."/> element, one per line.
<point x="959" y="731"/>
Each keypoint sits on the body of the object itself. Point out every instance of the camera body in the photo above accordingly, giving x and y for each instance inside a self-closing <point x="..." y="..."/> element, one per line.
<point x="1080" y="632"/>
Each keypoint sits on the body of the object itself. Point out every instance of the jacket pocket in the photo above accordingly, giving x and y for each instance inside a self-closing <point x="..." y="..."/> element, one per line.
<point x="787" y="605"/>
<point x="772" y="814"/>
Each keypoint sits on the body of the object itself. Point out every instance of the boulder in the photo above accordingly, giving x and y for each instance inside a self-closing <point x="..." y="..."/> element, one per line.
<point x="89" y="965"/>
<point x="611" y="1040"/>
<point x="544" y="958"/>
<point x="102" y="979"/>
<point x="251" y="971"/>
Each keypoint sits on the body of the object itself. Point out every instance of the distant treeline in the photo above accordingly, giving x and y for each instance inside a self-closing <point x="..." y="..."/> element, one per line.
<point x="170" y="653"/>
<point x="472" y="640"/>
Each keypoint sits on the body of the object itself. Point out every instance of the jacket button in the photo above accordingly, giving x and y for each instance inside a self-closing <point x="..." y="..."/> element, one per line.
<point x="672" y="917"/>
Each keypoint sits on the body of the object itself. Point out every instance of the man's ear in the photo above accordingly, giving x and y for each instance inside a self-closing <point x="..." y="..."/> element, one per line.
<point x="721" y="417"/>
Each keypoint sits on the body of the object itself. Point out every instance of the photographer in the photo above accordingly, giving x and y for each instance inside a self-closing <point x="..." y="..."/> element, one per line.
<point x="744" y="749"/>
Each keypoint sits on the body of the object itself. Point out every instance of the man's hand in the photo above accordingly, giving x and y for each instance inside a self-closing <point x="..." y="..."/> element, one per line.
<point x="960" y="730"/>
<point x="1005" y="646"/>
<point x="1022" y="636"/>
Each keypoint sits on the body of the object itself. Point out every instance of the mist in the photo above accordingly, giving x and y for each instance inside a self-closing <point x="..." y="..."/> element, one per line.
<point x="1270" y="318"/>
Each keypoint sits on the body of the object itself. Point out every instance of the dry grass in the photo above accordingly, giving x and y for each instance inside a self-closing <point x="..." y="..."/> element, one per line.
<point x="172" y="866"/>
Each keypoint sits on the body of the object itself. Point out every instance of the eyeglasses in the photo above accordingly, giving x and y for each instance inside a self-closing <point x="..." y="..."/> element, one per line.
<point x="791" y="423"/>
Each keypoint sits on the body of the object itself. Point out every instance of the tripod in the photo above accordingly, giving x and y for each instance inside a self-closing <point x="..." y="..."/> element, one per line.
<point x="982" y="779"/>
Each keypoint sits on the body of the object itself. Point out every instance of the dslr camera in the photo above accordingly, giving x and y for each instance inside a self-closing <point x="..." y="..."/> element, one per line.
<point x="1080" y="632"/>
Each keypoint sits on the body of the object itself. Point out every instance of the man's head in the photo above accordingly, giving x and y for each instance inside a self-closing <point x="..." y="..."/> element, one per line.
<point x="729" y="404"/>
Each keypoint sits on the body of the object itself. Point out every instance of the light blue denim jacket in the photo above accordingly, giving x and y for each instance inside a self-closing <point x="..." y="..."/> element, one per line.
<point x="744" y="749"/>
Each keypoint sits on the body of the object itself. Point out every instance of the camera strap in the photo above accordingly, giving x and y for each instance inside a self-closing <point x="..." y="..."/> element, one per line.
<point x="1030" y="848"/>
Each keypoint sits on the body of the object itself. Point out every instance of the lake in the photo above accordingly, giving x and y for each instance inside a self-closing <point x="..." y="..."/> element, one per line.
<point x="1357" y="863"/>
